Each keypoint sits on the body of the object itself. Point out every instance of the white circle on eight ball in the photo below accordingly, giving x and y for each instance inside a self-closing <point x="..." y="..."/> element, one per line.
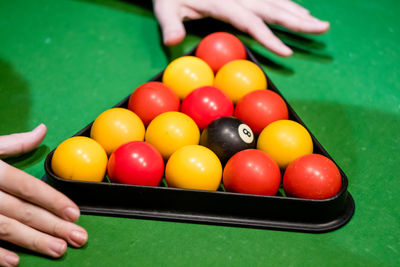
<point x="246" y="133"/>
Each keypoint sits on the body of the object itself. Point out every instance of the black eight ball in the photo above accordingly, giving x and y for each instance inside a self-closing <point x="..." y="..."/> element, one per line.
<point x="226" y="136"/>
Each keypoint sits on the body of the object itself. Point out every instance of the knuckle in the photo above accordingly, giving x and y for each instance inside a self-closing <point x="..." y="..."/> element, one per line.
<point x="254" y="26"/>
<point x="26" y="215"/>
<point x="57" y="205"/>
<point x="256" y="21"/>
<point x="37" y="243"/>
<point x="27" y="191"/>
<point x="5" y="229"/>
<point x="58" y="229"/>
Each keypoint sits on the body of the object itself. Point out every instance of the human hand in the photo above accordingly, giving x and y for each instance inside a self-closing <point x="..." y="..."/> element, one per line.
<point x="33" y="215"/>
<point x="246" y="15"/>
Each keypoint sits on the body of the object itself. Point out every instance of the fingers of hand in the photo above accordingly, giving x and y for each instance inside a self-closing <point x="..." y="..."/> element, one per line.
<point x="246" y="21"/>
<point x="167" y="13"/>
<point x="29" y="208"/>
<point x="289" y="15"/>
<point x="41" y="219"/>
<point x="8" y="258"/>
<point x="246" y="15"/>
<point x="31" y="189"/>
<point x="22" y="235"/>
<point x="265" y="36"/>
<point x="291" y="6"/>
<point x="19" y="143"/>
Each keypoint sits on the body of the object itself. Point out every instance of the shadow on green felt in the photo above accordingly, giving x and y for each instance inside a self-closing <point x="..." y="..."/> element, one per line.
<point x="15" y="100"/>
<point x="360" y="138"/>
<point x="206" y="26"/>
<point x="275" y="66"/>
<point x="301" y="39"/>
<point x="29" y="159"/>
<point x="303" y="45"/>
<point x="331" y="125"/>
<point x="141" y="7"/>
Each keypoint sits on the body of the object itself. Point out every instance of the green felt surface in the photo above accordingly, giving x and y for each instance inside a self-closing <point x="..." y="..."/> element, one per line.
<point x="63" y="62"/>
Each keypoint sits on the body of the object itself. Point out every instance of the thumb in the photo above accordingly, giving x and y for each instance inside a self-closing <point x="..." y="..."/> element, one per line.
<point x="171" y="24"/>
<point x="19" y="143"/>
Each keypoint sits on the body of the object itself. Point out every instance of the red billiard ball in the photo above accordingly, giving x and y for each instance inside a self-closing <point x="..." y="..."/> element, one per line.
<point x="252" y="171"/>
<point x="206" y="104"/>
<point x="312" y="176"/>
<point x="136" y="163"/>
<point x="151" y="99"/>
<point x="261" y="107"/>
<point x="219" y="48"/>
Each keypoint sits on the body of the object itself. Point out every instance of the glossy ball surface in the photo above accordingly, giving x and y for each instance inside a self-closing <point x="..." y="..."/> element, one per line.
<point x="261" y="107"/>
<point x="194" y="167"/>
<point x="219" y="48"/>
<point x="151" y="99"/>
<point x="80" y="158"/>
<point x="136" y="163"/>
<point x="187" y="73"/>
<point x="285" y="141"/>
<point x="170" y="131"/>
<point x="312" y="176"/>
<point x="240" y="77"/>
<point x="252" y="171"/>
<point x="226" y="136"/>
<point x="115" y="127"/>
<point x="206" y="104"/>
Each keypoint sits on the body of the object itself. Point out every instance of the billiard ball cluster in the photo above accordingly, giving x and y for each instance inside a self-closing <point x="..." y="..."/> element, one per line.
<point x="210" y="120"/>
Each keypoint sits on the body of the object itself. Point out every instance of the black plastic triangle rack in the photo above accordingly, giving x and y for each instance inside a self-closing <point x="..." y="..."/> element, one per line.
<point x="209" y="207"/>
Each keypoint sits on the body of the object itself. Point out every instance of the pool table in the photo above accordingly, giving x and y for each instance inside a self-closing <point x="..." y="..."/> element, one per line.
<point x="64" y="62"/>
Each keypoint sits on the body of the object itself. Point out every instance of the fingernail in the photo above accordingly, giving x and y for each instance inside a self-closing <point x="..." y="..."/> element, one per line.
<point x="58" y="248"/>
<point x="72" y="214"/>
<point x="326" y="23"/>
<point x="12" y="260"/>
<point x="79" y="237"/>
<point x="172" y="37"/>
<point x="319" y="21"/>
<point x="172" y="34"/>
<point x="38" y="127"/>
<point x="286" y="51"/>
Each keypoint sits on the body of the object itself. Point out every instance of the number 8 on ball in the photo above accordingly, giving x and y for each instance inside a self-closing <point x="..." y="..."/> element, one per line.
<point x="226" y="136"/>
